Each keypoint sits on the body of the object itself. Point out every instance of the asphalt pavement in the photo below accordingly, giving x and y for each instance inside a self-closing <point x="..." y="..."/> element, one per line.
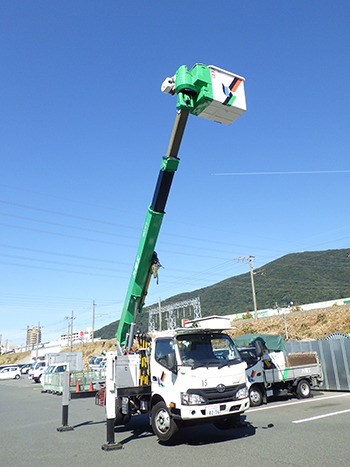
<point x="285" y="432"/>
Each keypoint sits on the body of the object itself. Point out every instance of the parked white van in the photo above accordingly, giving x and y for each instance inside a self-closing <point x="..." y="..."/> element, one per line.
<point x="38" y="371"/>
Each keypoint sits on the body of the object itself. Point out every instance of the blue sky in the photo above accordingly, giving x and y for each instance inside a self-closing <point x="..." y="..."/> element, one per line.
<point x="84" y="126"/>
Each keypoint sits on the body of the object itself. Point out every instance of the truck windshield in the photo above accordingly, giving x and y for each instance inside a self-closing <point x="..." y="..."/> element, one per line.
<point x="204" y="350"/>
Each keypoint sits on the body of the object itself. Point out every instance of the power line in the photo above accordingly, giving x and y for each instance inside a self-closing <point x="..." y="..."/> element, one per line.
<point x="302" y="172"/>
<point x="48" y="211"/>
<point x="47" y="252"/>
<point x="67" y="226"/>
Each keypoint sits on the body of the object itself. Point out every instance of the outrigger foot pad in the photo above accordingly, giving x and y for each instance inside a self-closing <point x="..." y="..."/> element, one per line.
<point x="111" y="446"/>
<point x="65" y="428"/>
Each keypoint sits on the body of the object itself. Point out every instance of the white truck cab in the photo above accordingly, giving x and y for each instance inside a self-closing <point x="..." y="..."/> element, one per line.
<point x="197" y="377"/>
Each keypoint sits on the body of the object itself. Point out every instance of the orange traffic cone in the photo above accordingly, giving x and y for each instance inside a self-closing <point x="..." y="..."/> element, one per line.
<point x="77" y="389"/>
<point x="90" y="387"/>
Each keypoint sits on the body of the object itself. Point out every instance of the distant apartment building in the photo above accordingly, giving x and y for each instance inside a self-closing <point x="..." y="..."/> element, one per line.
<point x="33" y="336"/>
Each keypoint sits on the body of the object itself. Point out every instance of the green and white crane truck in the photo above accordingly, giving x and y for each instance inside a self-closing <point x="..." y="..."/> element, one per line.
<point x="272" y="371"/>
<point x="186" y="376"/>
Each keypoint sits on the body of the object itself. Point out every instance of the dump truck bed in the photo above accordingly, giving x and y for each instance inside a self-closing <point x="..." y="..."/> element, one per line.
<point x="294" y="373"/>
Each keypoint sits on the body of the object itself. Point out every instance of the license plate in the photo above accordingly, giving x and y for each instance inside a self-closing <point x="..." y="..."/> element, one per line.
<point x="213" y="410"/>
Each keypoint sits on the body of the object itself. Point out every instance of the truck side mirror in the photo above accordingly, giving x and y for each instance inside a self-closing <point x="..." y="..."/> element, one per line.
<point x="259" y="348"/>
<point x="171" y="362"/>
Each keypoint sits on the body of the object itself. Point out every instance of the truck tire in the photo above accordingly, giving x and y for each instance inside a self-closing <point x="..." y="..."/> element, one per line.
<point x="303" y="390"/>
<point x="227" y="422"/>
<point x="164" y="426"/>
<point x="255" y="396"/>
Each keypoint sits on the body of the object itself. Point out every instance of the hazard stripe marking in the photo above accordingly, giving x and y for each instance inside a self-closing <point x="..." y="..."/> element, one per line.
<point x="235" y="85"/>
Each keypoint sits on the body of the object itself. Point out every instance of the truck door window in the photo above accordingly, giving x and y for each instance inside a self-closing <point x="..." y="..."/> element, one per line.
<point x="249" y="356"/>
<point x="163" y="348"/>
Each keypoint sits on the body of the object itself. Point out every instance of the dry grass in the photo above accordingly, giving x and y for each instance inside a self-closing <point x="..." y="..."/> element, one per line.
<point x="315" y="324"/>
<point x="12" y="358"/>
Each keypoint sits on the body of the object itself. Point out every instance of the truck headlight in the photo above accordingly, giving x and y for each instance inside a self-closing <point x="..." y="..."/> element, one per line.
<point x="191" y="399"/>
<point x="242" y="393"/>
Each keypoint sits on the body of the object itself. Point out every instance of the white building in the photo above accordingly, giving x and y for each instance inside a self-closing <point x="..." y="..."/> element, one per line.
<point x="78" y="337"/>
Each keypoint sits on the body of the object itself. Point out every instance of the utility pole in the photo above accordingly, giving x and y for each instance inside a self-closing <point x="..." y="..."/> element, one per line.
<point x="71" y="333"/>
<point x="37" y="341"/>
<point x="160" y="315"/>
<point x="250" y="258"/>
<point x="93" y="320"/>
<point x="27" y="343"/>
<point x="283" y="319"/>
<point x="260" y="271"/>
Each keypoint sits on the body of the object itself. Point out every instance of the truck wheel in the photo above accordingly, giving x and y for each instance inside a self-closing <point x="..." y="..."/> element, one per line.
<point x="303" y="389"/>
<point x="255" y="396"/>
<point x="227" y="422"/>
<point x="164" y="426"/>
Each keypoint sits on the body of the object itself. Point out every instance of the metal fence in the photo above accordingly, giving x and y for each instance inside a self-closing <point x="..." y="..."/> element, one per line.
<point x="80" y="381"/>
<point x="334" y="356"/>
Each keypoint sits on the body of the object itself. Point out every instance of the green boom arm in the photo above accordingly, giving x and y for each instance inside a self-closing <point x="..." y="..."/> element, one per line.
<point x="206" y="91"/>
<point x="146" y="257"/>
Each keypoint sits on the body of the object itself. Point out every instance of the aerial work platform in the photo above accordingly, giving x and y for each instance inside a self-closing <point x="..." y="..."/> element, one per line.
<point x="208" y="92"/>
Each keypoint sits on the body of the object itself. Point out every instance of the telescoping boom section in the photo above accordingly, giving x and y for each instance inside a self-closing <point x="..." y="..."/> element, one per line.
<point x="146" y="262"/>
<point x="205" y="91"/>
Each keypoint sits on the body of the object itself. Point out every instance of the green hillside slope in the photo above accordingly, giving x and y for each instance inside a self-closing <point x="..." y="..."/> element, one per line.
<point x="298" y="277"/>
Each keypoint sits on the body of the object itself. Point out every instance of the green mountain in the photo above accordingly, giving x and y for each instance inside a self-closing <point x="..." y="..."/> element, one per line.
<point x="308" y="277"/>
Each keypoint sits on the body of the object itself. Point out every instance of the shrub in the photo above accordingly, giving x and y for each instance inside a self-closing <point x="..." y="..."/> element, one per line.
<point x="247" y="315"/>
<point x="321" y="318"/>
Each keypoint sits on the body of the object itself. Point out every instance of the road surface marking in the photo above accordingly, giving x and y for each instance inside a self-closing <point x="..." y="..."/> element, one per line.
<point x="321" y="416"/>
<point x="269" y="407"/>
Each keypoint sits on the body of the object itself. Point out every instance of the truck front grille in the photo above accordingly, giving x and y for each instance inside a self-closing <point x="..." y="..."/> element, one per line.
<point x="213" y="396"/>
